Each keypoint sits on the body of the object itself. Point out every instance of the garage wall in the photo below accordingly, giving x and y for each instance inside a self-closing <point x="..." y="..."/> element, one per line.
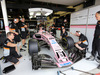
<point x="97" y="2"/>
<point x="78" y="22"/>
<point x="85" y="22"/>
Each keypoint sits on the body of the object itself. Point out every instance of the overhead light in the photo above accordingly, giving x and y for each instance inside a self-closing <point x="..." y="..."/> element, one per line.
<point x="40" y="11"/>
<point x="47" y="14"/>
<point x="31" y="13"/>
<point x="38" y="14"/>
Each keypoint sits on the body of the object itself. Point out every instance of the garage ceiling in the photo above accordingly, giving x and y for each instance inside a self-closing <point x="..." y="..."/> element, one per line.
<point x="63" y="2"/>
<point x="60" y="7"/>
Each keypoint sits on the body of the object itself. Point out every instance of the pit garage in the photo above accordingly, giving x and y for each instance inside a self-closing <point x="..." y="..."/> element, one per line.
<point x="46" y="50"/>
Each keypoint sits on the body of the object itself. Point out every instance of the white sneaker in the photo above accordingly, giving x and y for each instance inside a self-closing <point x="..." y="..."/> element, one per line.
<point x="91" y="58"/>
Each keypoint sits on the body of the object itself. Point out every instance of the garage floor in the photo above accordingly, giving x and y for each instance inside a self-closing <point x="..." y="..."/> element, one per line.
<point x="25" y="67"/>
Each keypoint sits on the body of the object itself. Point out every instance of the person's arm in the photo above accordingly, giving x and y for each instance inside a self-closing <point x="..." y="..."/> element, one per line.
<point x="13" y="31"/>
<point x="16" y="49"/>
<point x="79" y="42"/>
<point x="25" y="26"/>
<point x="60" y="37"/>
<point x="11" y="44"/>
<point x="72" y="33"/>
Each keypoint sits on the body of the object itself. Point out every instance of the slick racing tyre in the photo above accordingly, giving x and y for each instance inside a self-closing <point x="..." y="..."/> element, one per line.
<point x="68" y="42"/>
<point x="33" y="46"/>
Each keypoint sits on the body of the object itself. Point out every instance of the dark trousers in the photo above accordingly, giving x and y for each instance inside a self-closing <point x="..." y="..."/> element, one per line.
<point x="96" y="47"/>
<point x="13" y="56"/>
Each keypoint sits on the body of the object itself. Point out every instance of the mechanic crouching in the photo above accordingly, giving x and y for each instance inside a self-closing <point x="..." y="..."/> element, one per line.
<point x="10" y="49"/>
<point x="83" y="42"/>
<point x="79" y="50"/>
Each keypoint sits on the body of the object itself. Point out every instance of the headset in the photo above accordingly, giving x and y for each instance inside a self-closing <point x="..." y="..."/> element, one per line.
<point x="78" y="32"/>
<point x="15" y="19"/>
<point x="20" y="18"/>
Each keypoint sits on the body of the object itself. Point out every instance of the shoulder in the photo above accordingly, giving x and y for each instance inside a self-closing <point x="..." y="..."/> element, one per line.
<point x="6" y="41"/>
<point x="82" y="35"/>
<point x="11" y="24"/>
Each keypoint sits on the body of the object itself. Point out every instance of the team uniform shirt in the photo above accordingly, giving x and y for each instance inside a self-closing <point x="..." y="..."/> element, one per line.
<point x="14" y="27"/>
<point x="84" y="41"/>
<point x="22" y="30"/>
<point x="64" y="34"/>
<point x="6" y="48"/>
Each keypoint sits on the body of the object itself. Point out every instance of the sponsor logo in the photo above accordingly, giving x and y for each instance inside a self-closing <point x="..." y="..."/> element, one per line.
<point x="53" y="42"/>
<point x="65" y="64"/>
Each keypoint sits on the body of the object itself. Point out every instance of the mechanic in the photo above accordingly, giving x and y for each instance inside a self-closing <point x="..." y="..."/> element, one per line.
<point x="10" y="49"/>
<point x="41" y="29"/>
<point x="53" y="29"/>
<point x="61" y="29"/>
<point x="44" y="26"/>
<point x="66" y="24"/>
<point x="23" y="27"/>
<point x="83" y="42"/>
<point x="63" y="34"/>
<point x="14" y="28"/>
<point x="96" y="41"/>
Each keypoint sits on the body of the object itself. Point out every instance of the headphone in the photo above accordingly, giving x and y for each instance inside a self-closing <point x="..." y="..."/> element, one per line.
<point x="21" y="19"/>
<point x="15" y="19"/>
<point x="79" y="32"/>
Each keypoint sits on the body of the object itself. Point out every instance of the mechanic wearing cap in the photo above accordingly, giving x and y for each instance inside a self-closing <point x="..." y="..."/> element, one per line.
<point x="10" y="49"/>
<point x="64" y="33"/>
<point x="83" y="41"/>
<point x="23" y="27"/>
<point x="14" y="28"/>
<point x="96" y="41"/>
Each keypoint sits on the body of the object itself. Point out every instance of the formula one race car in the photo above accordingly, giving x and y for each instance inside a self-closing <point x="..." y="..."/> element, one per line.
<point x="61" y="58"/>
